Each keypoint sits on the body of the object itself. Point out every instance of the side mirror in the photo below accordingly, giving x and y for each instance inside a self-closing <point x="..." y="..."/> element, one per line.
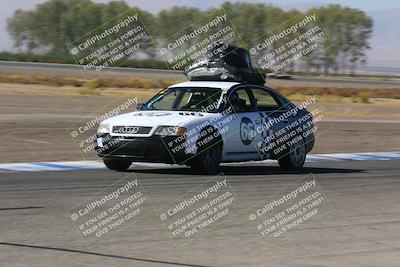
<point x="139" y="106"/>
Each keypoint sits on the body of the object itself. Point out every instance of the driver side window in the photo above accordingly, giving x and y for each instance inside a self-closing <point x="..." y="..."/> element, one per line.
<point x="240" y="102"/>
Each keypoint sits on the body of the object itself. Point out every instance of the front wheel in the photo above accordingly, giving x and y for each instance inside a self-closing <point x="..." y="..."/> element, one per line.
<point x="295" y="158"/>
<point x="117" y="164"/>
<point x="208" y="160"/>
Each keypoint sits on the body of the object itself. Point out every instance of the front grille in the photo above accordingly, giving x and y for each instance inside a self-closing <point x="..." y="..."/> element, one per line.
<point x="131" y="130"/>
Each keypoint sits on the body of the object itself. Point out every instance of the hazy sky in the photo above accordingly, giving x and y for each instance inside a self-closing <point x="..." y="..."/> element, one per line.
<point x="7" y="8"/>
<point x="367" y="5"/>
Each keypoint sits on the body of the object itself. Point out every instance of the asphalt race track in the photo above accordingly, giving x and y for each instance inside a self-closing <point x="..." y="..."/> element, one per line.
<point x="361" y="229"/>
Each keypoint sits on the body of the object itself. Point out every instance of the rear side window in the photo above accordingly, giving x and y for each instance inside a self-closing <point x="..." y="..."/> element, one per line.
<point x="265" y="101"/>
<point x="239" y="100"/>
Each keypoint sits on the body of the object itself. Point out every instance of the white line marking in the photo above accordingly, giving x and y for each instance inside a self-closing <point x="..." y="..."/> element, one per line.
<point x="89" y="165"/>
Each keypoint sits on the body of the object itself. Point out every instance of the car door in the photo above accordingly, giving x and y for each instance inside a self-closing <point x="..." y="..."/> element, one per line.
<point x="241" y="136"/>
<point x="273" y="122"/>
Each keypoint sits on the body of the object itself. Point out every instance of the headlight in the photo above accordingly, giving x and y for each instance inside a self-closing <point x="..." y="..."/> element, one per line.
<point x="104" y="128"/>
<point x="170" y="131"/>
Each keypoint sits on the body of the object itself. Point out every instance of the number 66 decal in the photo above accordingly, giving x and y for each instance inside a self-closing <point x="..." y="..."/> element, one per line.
<point x="247" y="132"/>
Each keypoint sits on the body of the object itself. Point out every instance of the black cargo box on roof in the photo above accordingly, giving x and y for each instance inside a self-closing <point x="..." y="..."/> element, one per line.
<point x="225" y="63"/>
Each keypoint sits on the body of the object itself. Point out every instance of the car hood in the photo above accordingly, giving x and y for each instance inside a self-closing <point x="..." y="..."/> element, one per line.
<point x="153" y="118"/>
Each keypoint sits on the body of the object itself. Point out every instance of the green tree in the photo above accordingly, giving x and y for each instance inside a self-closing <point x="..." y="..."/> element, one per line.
<point x="52" y="25"/>
<point x="348" y="33"/>
<point x="56" y="23"/>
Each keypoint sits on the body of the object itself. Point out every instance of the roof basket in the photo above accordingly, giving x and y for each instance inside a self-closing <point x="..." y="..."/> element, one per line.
<point x="225" y="62"/>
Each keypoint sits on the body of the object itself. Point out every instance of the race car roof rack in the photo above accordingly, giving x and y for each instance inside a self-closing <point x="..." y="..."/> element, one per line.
<point x="225" y="62"/>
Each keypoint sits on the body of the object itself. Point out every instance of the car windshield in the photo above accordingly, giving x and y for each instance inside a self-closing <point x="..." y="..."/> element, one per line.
<point x="186" y="99"/>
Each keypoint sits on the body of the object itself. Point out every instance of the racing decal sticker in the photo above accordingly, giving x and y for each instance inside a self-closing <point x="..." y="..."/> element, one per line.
<point x="163" y="91"/>
<point x="157" y="114"/>
<point x="153" y="114"/>
<point x="265" y="133"/>
<point x="247" y="132"/>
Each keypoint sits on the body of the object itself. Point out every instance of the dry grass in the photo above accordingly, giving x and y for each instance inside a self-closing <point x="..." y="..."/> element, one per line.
<point x="40" y="79"/>
<point x="89" y="84"/>
<point x="361" y="97"/>
<point x="44" y="90"/>
<point x="360" y="94"/>
<point x="98" y="86"/>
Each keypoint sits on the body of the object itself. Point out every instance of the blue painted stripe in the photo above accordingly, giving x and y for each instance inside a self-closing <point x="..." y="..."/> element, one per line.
<point x="56" y="166"/>
<point x="347" y="158"/>
<point x="372" y="157"/>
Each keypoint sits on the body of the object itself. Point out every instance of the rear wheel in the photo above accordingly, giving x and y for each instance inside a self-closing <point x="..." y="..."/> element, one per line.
<point x="117" y="164"/>
<point x="295" y="158"/>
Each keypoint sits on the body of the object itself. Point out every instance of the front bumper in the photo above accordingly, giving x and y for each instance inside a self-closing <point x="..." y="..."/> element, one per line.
<point x="142" y="149"/>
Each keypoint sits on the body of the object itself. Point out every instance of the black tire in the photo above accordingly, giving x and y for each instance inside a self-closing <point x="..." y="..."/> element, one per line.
<point x="209" y="158"/>
<point x="295" y="158"/>
<point x="117" y="164"/>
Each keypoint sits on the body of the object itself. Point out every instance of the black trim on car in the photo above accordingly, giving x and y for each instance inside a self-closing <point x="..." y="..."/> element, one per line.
<point x="141" y="149"/>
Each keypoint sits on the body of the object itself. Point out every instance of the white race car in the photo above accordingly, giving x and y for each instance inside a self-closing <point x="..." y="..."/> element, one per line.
<point x="204" y="123"/>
